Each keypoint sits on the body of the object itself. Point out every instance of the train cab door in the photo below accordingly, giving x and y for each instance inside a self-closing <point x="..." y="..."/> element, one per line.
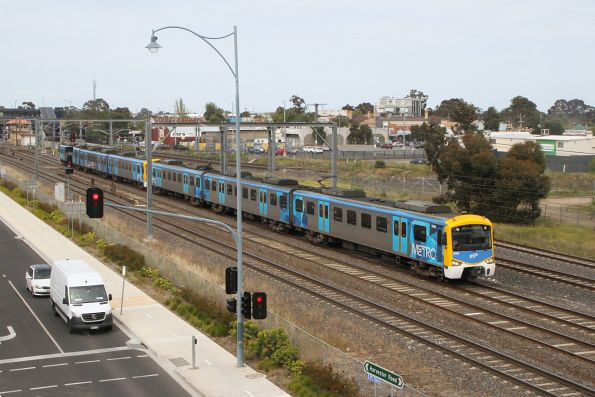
<point x="137" y="172"/>
<point x="404" y="233"/>
<point x="396" y="235"/>
<point x="323" y="216"/>
<point x="185" y="183"/>
<point x="263" y="208"/>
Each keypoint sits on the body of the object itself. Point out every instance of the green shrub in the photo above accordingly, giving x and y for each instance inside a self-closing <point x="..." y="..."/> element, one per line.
<point x="124" y="256"/>
<point x="46" y="207"/>
<point x="322" y="381"/>
<point x="89" y="237"/>
<point x="274" y="344"/>
<point x="379" y="164"/>
<point x="101" y="243"/>
<point x="57" y="216"/>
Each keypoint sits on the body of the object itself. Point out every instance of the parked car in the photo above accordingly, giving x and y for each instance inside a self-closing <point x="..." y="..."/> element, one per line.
<point x="386" y="146"/>
<point x="37" y="279"/>
<point x="292" y="150"/>
<point x="280" y="152"/>
<point x="256" y="150"/>
<point x="418" y="161"/>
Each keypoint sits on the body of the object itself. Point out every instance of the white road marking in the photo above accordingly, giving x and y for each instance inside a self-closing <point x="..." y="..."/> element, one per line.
<point x="248" y="393"/>
<point x="118" y="358"/>
<point x="37" y="318"/>
<point x="87" y="362"/>
<point x="22" y="369"/>
<point x="143" y="355"/>
<point x="78" y="383"/>
<point x="208" y="362"/>
<point x="54" y="365"/>
<point x="10" y="391"/>
<point x="111" y="380"/>
<point x="144" y="376"/>
<point x="43" y="387"/>
<point x="11" y="334"/>
<point x="148" y="315"/>
<point x="62" y="355"/>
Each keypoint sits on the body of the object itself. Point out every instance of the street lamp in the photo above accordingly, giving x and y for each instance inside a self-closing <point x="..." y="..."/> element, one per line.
<point x="154" y="47"/>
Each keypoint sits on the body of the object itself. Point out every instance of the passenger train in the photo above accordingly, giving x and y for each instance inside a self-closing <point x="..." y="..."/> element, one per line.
<point x="428" y="237"/>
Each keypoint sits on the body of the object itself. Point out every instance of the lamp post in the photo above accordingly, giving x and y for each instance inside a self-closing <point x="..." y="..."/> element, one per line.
<point x="153" y="47"/>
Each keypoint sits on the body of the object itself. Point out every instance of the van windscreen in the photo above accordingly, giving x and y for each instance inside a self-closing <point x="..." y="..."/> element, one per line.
<point x="87" y="294"/>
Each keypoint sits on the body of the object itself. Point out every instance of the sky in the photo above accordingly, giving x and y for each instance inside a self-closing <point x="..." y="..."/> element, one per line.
<point x="329" y="52"/>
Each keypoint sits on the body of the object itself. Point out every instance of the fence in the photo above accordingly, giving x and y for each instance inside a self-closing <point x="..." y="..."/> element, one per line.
<point x="567" y="213"/>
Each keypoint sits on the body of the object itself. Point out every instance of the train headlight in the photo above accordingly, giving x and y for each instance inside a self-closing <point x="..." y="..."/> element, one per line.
<point x="490" y="261"/>
<point x="456" y="263"/>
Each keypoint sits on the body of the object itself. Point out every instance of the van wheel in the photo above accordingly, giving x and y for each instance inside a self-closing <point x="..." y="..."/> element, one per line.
<point x="54" y="309"/>
<point x="108" y="329"/>
<point x="70" y="329"/>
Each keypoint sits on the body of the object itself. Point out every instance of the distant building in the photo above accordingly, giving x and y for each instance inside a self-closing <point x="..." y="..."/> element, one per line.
<point x="409" y="107"/>
<point x="20" y="132"/>
<point x="552" y="145"/>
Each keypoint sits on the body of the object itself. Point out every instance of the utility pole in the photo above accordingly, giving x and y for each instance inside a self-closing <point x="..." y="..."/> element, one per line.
<point x="521" y="120"/>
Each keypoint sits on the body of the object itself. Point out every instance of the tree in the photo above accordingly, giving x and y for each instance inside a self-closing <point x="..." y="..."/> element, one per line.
<point x="29" y="105"/>
<point x="522" y="112"/>
<point x="491" y="119"/>
<point x="342" y="121"/>
<point x="365" y="108"/>
<point x="180" y="109"/>
<point x="299" y="105"/>
<point x="434" y="138"/>
<point x="521" y="184"/>
<point x="419" y="95"/>
<point x="319" y="135"/>
<point x="360" y="135"/>
<point x="573" y="109"/>
<point x="245" y="113"/>
<point x="96" y="105"/>
<point x="555" y="126"/>
<point x="142" y="114"/>
<point x="347" y="107"/>
<point x="213" y="114"/>
<point x="464" y="114"/>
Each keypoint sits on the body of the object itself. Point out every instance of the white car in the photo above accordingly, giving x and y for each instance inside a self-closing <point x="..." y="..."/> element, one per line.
<point x="316" y="150"/>
<point x="37" y="279"/>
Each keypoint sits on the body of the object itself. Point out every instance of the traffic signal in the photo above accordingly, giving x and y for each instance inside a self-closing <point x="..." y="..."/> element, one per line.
<point x="94" y="202"/>
<point x="69" y="160"/>
<point x="259" y="305"/>
<point x="72" y="137"/>
<point x="247" y="305"/>
<point x="232" y="305"/>
<point x="231" y="280"/>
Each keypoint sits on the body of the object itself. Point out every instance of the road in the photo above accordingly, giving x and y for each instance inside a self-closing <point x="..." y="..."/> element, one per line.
<point x="38" y="356"/>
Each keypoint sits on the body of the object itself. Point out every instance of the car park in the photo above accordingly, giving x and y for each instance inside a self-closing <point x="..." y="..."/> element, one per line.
<point x="37" y="279"/>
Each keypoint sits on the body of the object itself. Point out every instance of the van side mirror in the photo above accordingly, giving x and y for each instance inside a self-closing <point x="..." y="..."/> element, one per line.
<point x="109" y="297"/>
<point x="65" y="300"/>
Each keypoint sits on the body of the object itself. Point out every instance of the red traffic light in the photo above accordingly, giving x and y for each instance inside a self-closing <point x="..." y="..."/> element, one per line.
<point x="259" y="305"/>
<point x="94" y="202"/>
<point x="259" y="299"/>
<point x="95" y="196"/>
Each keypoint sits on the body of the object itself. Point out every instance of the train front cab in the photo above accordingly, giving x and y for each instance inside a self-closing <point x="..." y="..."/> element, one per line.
<point x="469" y="250"/>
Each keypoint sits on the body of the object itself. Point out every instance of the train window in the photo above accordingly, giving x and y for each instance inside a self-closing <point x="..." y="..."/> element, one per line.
<point x="169" y="175"/>
<point x="326" y="211"/>
<point x="338" y="214"/>
<point x="299" y="205"/>
<point x="366" y="221"/>
<point x="174" y="175"/>
<point x="263" y="197"/>
<point x="214" y="186"/>
<point x="191" y="181"/>
<point x="419" y="233"/>
<point x="235" y="190"/>
<point x="197" y="181"/>
<point x="253" y="194"/>
<point x="351" y="217"/>
<point x="403" y="229"/>
<point x="381" y="224"/>
<point x="396" y="228"/>
<point x="222" y="187"/>
<point x="154" y="172"/>
<point x="283" y="201"/>
<point x="273" y="199"/>
<point x="309" y="208"/>
<point x="245" y="192"/>
<point x="229" y="190"/>
<point x="207" y="185"/>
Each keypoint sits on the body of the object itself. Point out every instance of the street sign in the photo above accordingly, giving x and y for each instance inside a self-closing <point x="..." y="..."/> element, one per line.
<point x="383" y="374"/>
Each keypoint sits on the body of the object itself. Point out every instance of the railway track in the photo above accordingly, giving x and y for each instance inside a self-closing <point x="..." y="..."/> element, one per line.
<point x="506" y="367"/>
<point x="551" y="255"/>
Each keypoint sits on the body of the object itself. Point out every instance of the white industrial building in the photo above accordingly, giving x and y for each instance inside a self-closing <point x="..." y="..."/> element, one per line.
<point x="552" y="145"/>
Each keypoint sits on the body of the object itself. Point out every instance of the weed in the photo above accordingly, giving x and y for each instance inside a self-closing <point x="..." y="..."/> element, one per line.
<point x="124" y="256"/>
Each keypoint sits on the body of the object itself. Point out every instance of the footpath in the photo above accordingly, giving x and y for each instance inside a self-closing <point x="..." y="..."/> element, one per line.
<point x="149" y="324"/>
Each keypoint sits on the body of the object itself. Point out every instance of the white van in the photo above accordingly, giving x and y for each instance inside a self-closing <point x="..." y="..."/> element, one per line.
<point x="77" y="294"/>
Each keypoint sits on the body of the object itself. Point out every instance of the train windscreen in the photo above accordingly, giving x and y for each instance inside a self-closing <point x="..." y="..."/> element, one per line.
<point x="471" y="238"/>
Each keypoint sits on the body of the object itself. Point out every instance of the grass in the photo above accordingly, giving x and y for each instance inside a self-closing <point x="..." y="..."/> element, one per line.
<point x="553" y="236"/>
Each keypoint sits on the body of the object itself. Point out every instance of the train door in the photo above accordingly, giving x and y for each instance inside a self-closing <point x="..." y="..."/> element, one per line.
<point x="221" y="195"/>
<point x="422" y="244"/>
<point x="197" y="187"/>
<point x="137" y="172"/>
<point x="404" y="249"/>
<point x="262" y="203"/>
<point x="115" y="171"/>
<point x="323" y="216"/>
<point x="185" y="183"/>
<point x="396" y="235"/>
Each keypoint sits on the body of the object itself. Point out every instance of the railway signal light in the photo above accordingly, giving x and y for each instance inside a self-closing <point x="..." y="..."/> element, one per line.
<point x="231" y="280"/>
<point x="247" y="305"/>
<point x="232" y="305"/>
<point x="259" y="305"/>
<point x="69" y="160"/>
<point x="94" y="202"/>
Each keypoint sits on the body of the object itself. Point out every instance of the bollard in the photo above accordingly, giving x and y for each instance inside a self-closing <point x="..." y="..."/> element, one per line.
<point x="193" y="352"/>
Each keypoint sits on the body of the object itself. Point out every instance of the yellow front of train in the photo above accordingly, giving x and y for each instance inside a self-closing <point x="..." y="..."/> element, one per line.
<point x="469" y="248"/>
